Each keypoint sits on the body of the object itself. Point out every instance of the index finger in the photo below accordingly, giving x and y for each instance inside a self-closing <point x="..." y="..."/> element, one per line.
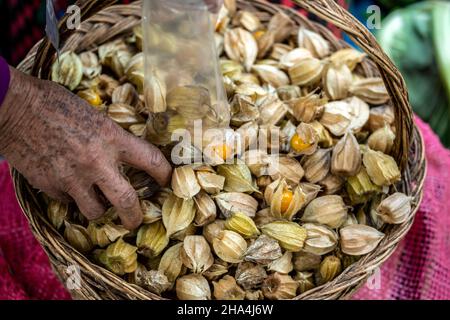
<point x="142" y="155"/>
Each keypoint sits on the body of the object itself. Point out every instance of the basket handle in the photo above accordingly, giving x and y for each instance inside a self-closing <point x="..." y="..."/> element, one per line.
<point x="87" y="9"/>
<point x="333" y="13"/>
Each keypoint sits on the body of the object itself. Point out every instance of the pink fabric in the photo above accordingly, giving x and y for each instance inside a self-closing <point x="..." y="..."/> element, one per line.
<point x="419" y="269"/>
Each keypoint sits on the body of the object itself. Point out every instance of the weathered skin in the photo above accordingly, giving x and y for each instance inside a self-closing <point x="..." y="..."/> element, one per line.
<point x="66" y="148"/>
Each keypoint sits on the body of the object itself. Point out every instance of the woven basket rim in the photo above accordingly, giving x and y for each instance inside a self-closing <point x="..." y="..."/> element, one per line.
<point x="99" y="283"/>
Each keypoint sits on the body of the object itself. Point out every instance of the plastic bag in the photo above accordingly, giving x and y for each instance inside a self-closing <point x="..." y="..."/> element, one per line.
<point x="183" y="82"/>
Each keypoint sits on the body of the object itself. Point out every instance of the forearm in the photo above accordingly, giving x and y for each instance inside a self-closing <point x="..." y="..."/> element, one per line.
<point x="20" y="94"/>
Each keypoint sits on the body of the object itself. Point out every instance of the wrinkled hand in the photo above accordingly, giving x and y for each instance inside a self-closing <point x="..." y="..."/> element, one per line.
<point x="67" y="149"/>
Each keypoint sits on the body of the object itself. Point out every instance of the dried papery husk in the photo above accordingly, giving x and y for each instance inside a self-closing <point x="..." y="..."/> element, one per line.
<point x="212" y="230"/>
<point x="289" y="59"/>
<point x="272" y="110"/>
<point x="105" y="86"/>
<point x="228" y="289"/>
<point x="253" y="91"/>
<point x="380" y="117"/>
<point x="351" y="219"/>
<point x="395" y="209"/>
<point x="317" y="166"/>
<point x="248" y="78"/>
<point x="290" y="235"/>
<point x="305" y="140"/>
<point x="106" y="50"/>
<point x="337" y="79"/>
<point x="248" y="134"/>
<point x="305" y="281"/>
<point x="120" y="257"/>
<point x="177" y="214"/>
<point x="327" y="210"/>
<point x="358" y="239"/>
<point x="288" y="130"/>
<point x="193" y="287"/>
<point x="212" y="183"/>
<point x="231" y="69"/>
<point x="91" y="65"/>
<point x="348" y="56"/>
<point x="311" y="191"/>
<point x="308" y="108"/>
<point x="242" y="224"/>
<point x="217" y="270"/>
<point x="257" y="161"/>
<point x="171" y="264"/>
<point x="124" y="115"/>
<point x="238" y="178"/>
<point x="284" y="202"/>
<point x="314" y="42"/>
<point x="152" y="239"/>
<point x="78" y="237"/>
<point x="232" y="202"/>
<point x="243" y="110"/>
<point x="279" y="50"/>
<point x="279" y="287"/>
<point x="263" y="217"/>
<point x="250" y="275"/>
<point x="191" y="102"/>
<point x="206" y="209"/>
<point x="360" y="112"/>
<point x="288" y="93"/>
<point x="332" y="184"/>
<point x="346" y="159"/>
<point x="153" y="281"/>
<point x="282" y="265"/>
<point x="196" y="254"/>
<point x="223" y="20"/>
<point x="271" y="75"/>
<point x="184" y="183"/>
<point x="230" y="246"/>
<point x="281" y="25"/>
<point x="134" y="72"/>
<point x="306" y="261"/>
<point x="151" y="212"/>
<point x="126" y="94"/>
<point x="382" y="140"/>
<point x="229" y="85"/>
<point x="119" y="61"/>
<point x="360" y="187"/>
<point x="248" y="20"/>
<point x="337" y="117"/>
<point x="93" y="98"/>
<point x="67" y="70"/>
<point x="362" y="217"/>
<point x="375" y="219"/>
<point x="287" y="168"/>
<point x="57" y="212"/>
<point x="241" y="46"/>
<point x="381" y="168"/>
<point x="306" y="72"/>
<point x="265" y="42"/>
<point x="190" y="230"/>
<point x="263" y="251"/>
<point x="320" y="240"/>
<point x="263" y="181"/>
<point x="103" y="234"/>
<point x="325" y="139"/>
<point x="155" y="93"/>
<point x="371" y="90"/>
<point x="329" y="269"/>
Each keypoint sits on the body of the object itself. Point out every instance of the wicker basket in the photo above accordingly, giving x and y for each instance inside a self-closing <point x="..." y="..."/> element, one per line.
<point x="103" y="22"/>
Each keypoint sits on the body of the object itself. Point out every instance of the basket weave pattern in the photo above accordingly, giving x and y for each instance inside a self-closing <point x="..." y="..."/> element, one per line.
<point x="103" y="22"/>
